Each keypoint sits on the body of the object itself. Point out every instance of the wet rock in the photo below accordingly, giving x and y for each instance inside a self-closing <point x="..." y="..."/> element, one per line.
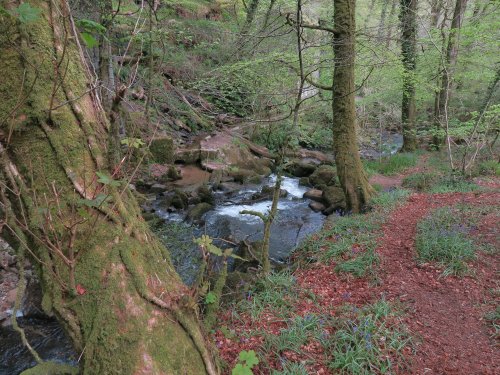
<point x="267" y="193"/>
<point x="195" y="213"/>
<point x="187" y="155"/>
<point x="323" y="175"/>
<point x="314" y="195"/>
<point x="229" y="187"/>
<point x="245" y="176"/>
<point x="304" y="181"/>
<point x="157" y="188"/>
<point x="179" y="200"/>
<point x="162" y="150"/>
<point x="317" y="206"/>
<point x="301" y="168"/>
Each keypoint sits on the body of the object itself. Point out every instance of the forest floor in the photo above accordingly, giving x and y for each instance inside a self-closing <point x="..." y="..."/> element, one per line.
<point x="359" y="299"/>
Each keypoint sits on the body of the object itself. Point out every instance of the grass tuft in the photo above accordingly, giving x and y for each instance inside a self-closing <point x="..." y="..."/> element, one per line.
<point x="442" y="237"/>
<point x="392" y="165"/>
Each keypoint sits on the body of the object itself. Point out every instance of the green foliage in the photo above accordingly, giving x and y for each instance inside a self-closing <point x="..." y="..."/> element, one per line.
<point x="489" y="168"/>
<point x="420" y="181"/>
<point x="89" y="28"/>
<point x="442" y="237"/>
<point x="25" y="13"/>
<point x="132" y="142"/>
<point x="246" y="361"/>
<point x="210" y="298"/>
<point x="364" y="338"/>
<point x="393" y="164"/>
<point x="387" y="200"/>
<point x="206" y="244"/>
<point x="105" y="179"/>
<point x="292" y="368"/>
<point x="271" y="292"/>
<point x="453" y="183"/>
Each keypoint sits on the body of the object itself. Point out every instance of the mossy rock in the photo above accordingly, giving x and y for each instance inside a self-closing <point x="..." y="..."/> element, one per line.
<point x="244" y="175"/>
<point x="205" y="194"/>
<point x="173" y="174"/>
<point x="195" y="213"/>
<point x="304" y="181"/>
<point x="162" y="150"/>
<point x="179" y="200"/>
<point x="300" y="168"/>
<point x="334" y="199"/>
<point x="323" y="175"/>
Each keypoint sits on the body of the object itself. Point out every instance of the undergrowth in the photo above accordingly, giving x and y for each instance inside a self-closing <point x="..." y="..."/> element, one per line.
<point x="368" y="340"/>
<point x="350" y="241"/>
<point x="444" y="237"/>
<point x="393" y="164"/>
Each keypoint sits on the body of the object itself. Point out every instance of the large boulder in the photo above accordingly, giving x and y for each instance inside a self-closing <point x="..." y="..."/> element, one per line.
<point x="314" y="195"/>
<point x="162" y="150"/>
<point x="301" y="168"/>
<point x="323" y="175"/>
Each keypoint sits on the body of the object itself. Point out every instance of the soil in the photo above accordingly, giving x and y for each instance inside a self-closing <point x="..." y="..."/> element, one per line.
<point x="446" y="315"/>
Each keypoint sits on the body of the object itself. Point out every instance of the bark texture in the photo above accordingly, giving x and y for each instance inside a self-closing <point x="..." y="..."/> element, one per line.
<point x="409" y="59"/>
<point x="349" y="168"/>
<point x="450" y="60"/>
<point x="104" y="275"/>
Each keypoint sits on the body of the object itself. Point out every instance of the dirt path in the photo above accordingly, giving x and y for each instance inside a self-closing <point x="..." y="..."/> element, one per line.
<point x="446" y="314"/>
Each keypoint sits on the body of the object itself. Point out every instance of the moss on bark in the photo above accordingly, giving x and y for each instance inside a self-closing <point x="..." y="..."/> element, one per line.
<point x="349" y="168"/>
<point x="103" y="273"/>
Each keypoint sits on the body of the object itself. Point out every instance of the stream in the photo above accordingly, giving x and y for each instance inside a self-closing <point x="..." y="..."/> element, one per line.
<point x="294" y="221"/>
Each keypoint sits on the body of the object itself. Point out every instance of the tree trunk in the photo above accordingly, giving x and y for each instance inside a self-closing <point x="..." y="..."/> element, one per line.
<point x="251" y="11"/>
<point x="349" y="168"/>
<point x="383" y="16"/>
<point x="436" y="7"/>
<point x="389" y="22"/>
<point x="409" y="57"/>
<point x="443" y="96"/>
<point x="104" y="274"/>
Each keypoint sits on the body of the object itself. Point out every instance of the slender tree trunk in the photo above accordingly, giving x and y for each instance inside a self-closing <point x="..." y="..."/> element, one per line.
<point x="268" y="14"/>
<point x="391" y="17"/>
<point x="104" y="275"/>
<point x="252" y="10"/>
<point x="349" y="168"/>
<point x="383" y="16"/>
<point x="443" y="96"/>
<point x="436" y="7"/>
<point x="409" y="57"/>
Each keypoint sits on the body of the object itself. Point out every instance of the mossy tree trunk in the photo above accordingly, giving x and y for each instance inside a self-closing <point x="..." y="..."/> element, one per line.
<point x="409" y="57"/>
<point x="349" y="167"/>
<point x="450" y="60"/>
<point x="104" y="274"/>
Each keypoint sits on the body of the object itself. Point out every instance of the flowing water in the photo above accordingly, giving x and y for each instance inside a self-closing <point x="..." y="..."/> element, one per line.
<point x="294" y="221"/>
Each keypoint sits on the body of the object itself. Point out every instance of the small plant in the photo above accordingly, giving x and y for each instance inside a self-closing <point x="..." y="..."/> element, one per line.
<point x="365" y="337"/>
<point x="452" y="184"/>
<point x="443" y="238"/>
<point x="489" y="168"/>
<point x="420" y="181"/>
<point x="246" y="361"/>
<point x="392" y="165"/>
